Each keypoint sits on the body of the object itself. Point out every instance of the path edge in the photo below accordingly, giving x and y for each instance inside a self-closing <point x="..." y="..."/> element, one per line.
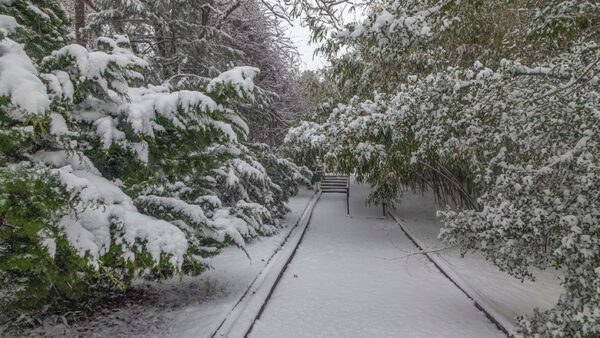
<point x="503" y="325"/>
<point x="241" y="318"/>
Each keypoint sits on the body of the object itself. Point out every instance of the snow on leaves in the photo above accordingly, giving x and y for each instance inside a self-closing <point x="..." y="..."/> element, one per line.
<point x="240" y="78"/>
<point x="19" y="81"/>
<point x="509" y="144"/>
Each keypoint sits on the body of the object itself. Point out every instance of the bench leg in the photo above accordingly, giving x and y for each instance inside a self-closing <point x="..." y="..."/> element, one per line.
<point x="348" y="203"/>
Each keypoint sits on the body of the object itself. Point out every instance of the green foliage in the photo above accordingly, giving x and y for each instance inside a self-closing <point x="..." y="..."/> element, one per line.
<point x="117" y="162"/>
<point x="14" y="138"/>
<point x="283" y="172"/>
<point x="493" y="105"/>
<point x="43" y="25"/>
<point x="40" y="273"/>
<point x="106" y="178"/>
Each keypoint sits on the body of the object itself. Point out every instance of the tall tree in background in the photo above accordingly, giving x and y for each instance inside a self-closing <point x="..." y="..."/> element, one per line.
<point x="188" y="42"/>
<point x="260" y="35"/>
<point x="181" y="38"/>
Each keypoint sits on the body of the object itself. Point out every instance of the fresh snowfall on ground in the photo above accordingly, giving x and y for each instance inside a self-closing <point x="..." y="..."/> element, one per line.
<point x="352" y="276"/>
<point x="192" y="307"/>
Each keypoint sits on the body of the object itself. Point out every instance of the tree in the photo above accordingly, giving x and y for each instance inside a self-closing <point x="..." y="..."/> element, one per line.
<point x="182" y="37"/>
<point x="106" y="177"/>
<point x="188" y="43"/>
<point x="492" y="105"/>
<point x="259" y="34"/>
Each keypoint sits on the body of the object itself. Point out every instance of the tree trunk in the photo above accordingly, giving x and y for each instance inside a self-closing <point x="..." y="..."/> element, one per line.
<point x="206" y="14"/>
<point x="79" y="21"/>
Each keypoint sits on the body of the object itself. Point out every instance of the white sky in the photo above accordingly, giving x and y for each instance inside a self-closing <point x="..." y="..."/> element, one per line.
<point x="300" y="36"/>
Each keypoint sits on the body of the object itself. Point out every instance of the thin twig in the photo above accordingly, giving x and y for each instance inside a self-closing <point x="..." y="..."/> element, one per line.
<point x="424" y="252"/>
<point x="587" y="69"/>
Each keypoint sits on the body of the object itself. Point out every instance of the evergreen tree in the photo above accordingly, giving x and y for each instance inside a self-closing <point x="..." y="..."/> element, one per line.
<point x="105" y="177"/>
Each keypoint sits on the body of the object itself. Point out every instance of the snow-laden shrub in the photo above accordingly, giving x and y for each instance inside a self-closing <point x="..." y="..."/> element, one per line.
<point x="526" y="169"/>
<point x="37" y="264"/>
<point x="198" y="40"/>
<point x="41" y="25"/>
<point x="106" y="177"/>
<point x="285" y="174"/>
<point x="495" y="107"/>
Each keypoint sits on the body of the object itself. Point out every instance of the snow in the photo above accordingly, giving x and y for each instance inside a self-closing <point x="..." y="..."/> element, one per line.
<point x="141" y="149"/>
<point x="140" y="110"/>
<point x="146" y="102"/>
<point x="225" y="128"/>
<point x="58" y="125"/>
<point x="231" y="226"/>
<point x="351" y="277"/>
<point x="60" y="84"/>
<point x="241" y="78"/>
<point x="237" y="121"/>
<point x="249" y="171"/>
<point x="102" y="205"/>
<point x="211" y="200"/>
<point x="8" y="24"/>
<point x="192" y="212"/>
<point x="61" y="159"/>
<point x="506" y="295"/>
<point x="99" y="67"/>
<point x="231" y="179"/>
<point x="92" y="65"/>
<point x="38" y="11"/>
<point x="193" y="306"/>
<point x="90" y="231"/>
<point x="47" y="242"/>
<point x="19" y="81"/>
<point x="345" y="282"/>
<point x="50" y="245"/>
<point x="385" y="24"/>
<point x="107" y="130"/>
<point x="242" y="316"/>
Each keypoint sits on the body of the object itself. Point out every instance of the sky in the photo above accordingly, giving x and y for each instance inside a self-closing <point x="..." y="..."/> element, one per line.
<point x="300" y="36"/>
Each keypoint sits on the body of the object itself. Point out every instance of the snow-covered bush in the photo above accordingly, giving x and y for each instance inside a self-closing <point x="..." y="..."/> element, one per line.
<point x="495" y="107"/>
<point x="37" y="265"/>
<point x="283" y="172"/>
<point x="105" y="177"/>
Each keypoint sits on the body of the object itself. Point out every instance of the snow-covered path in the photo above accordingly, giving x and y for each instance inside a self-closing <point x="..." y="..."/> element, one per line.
<point x="346" y="281"/>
